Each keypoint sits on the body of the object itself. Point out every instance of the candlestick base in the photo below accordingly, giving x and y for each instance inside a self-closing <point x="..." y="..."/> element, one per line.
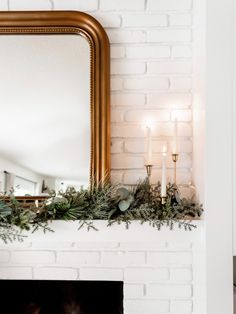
<point x="149" y="171"/>
<point x="163" y="200"/>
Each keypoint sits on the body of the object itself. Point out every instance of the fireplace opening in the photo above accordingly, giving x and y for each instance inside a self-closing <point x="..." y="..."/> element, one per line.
<point x="61" y="297"/>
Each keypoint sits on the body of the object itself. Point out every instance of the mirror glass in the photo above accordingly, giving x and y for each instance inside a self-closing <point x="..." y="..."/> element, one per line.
<point x="45" y="113"/>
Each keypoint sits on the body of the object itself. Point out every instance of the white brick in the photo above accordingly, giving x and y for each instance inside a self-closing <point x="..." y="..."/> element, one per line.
<point x="169" y="291"/>
<point x="169" y="258"/>
<point x="117" y="115"/>
<point x="184" y="129"/>
<point x="131" y="5"/>
<point x="30" y="5"/>
<point x="181" y="274"/>
<point x="128" y="99"/>
<point x="146" y="274"/>
<point x="182" y="115"/>
<point x="96" y="245"/>
<point x="142" y="246"/>
<point x="16" y="245"/>
<point x="101" y="274"/>
<point x="147" y="306"/>
<point x="170" y="35"/>
<point x="132" y="177"/>
<point x="146" y="83"/>
<point x="144" y="20"/>
<point x="78" y="258"/>
<point x="141" y="115"/>
<point x="125" y="131"/>
<point x="181" y="67"/>
<point x="32" y="257"/>
<point x="135" y="146"/>
<point x="180" y="83"/>
<point x="117" y="51"/>
<point x="166" y="129"/>
<point x="140" y="146"/>
<point x="180" y="20"/>
<point x="181" y="52"/>
<point x="185" y="146"/>
<point x="170" y="100"/>
<point x="126" y="36"/>
<point x="126" y="162"/>
<point x="42" y="245"/>
<point x="176" y="245"/>
<point x="55" y="273"/>
<point x="16" y="273"/>
<point x="148" y="52"/>
<point x="4" y="256"/>
<point x="116" y="84"/>
<point x="133" y="291"/>
<point x="116" y="147"/>
<point x="123" y="258"/>
<point x="169" y="5"/>
<point x="116" y="177"/>
<point x="108" y="20"/>
<point x="80" y="5"/>
<point x="122" y="67"/>
<point x="183" y="306"/>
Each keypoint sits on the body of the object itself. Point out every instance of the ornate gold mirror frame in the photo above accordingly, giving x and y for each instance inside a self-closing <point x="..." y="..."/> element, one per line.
<point x="72" y="22"/>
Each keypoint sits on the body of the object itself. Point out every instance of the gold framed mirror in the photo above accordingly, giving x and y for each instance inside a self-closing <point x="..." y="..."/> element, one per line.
<point x="50" y="25"/>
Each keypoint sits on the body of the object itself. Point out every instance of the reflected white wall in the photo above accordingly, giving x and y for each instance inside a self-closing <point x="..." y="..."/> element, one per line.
<point x="45" y="104"/>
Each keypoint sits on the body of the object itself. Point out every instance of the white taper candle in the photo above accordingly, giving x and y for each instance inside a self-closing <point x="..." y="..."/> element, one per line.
<point x="149" y="146"/>
<point x="163" y="178"/>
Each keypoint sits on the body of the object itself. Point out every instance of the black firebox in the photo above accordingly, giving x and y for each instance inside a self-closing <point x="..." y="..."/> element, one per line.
<point x="61" y="297"/>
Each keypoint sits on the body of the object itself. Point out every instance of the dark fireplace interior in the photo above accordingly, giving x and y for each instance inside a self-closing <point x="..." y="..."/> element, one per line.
<point x="61" y="297"/>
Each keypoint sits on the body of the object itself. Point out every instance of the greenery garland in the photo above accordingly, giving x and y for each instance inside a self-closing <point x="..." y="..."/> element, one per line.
<point x="102" y="202"/>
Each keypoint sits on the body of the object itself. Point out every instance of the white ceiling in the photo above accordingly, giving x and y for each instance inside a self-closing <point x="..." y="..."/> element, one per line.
<point x="45" y="104"/>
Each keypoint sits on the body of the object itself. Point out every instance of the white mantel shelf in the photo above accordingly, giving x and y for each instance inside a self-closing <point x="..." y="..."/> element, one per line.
<point x="68" y="231"/>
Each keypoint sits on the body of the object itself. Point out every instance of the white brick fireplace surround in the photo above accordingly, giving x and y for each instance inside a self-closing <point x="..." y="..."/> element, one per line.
<point x="162" y="270"/>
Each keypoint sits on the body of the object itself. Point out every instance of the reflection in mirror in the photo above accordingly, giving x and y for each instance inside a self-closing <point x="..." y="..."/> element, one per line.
<point x="45" y="113"/>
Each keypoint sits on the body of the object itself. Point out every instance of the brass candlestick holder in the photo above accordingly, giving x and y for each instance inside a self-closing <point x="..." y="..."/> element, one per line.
<point x="149" y="171"/>
<point x="163" y="200"/>
<point x="175" y="159"/>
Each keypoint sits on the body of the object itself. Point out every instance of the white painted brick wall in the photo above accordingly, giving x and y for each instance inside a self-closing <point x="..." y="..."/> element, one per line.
<point x="151" y="68"/>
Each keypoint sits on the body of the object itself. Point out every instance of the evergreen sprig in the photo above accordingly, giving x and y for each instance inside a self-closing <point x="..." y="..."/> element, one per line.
<point x="113" y="203"/>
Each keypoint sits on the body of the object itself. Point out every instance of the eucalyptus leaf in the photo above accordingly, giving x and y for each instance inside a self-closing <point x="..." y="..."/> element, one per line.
<point x="5" y="210"/>
<point x="123" y="193"/>
<point x="124" y="205"/>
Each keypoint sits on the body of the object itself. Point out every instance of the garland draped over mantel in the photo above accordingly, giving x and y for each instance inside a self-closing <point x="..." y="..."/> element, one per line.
<point x="113" y="203"/>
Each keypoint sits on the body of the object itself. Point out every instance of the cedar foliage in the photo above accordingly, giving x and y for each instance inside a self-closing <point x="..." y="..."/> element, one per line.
<point x="101" y="202"/>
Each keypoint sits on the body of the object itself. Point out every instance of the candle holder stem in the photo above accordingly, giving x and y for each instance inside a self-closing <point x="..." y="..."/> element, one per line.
<point x="175" y="159"/>
<point x="149" y="171"/>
